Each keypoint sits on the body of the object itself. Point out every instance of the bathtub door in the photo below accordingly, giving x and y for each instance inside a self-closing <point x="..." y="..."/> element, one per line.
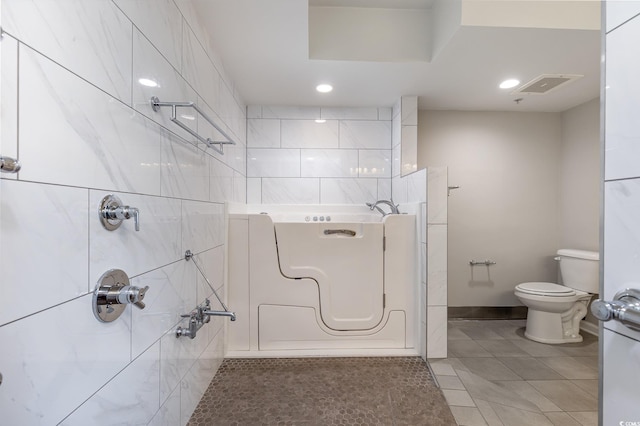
<point x="347" y="262"/>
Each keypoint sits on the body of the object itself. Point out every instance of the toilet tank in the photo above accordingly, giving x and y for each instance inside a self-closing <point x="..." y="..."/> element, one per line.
<point x="580" y="269"/>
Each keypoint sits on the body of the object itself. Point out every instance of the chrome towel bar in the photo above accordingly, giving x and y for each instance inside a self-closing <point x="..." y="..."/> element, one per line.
<point x="156" y="105"/>
<point x="481" y="262"/>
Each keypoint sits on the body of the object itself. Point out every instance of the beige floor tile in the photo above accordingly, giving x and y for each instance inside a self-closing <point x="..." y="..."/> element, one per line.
<point x="589" y="361"/>
<point x="466" y="349"/>
<point x="502" y="348"/>
<point x="570" y="368"/>
<point x="591" y="386"/>
<point x="480" y="331"/>
<point x="488" y="413"/>
<point x="528" y="392"/>
<point x="468" y="416"/>
<point x="515" y="417"/>
<point x="489" y="369"/>
<point x="442" y="368"/>
<point x="586" y="418"/>
<point x="566" y="395"/>
<point x="561" y="419"/>
<point x="458" y="398"/>
<point x="530" y="369"/>
<point x="450" y="382"/>
<point x="480" y="388"/>
<point x="454" y="333"/>
<point x="536" y="349"/>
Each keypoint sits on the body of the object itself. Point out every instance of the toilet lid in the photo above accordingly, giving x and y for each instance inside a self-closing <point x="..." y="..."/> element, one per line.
<point x="546" y="289"/>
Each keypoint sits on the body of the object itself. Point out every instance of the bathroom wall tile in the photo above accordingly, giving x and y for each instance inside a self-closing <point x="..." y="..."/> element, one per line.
<point x="328" y="163"/>
<point x="221" y="183"/>
<point x="57" y="359"/>
<point x="384" y="189"/>
<point x="202" y="226"/>
<point x="254" y="111"/>
<point x="437" y="332"/>
<point x="396" y="109"/>
<point x="263" y="133"/>
<point x="395" y="160"/>
<point x="422" y="308"/>
<point x="374" y="163"/>
<point x="423" y="221"/>
<point x="157" y="243"/>
<point x="177" y="355"/>
<point x="148" y="63"/>
<point x="295" y="113"/>
<point x="399" y="189"/>
<point x="9" y="98"/>
<point x="417" y="187"/>
<point x="273" y="162"/>
<point x="347" y="191"/>
<point x="169" y="412"/>
<point x="211" y="262"/>
<point x="620" y="11"/>
<point x="198" y="69"/>
<point x="409" y="149"/>
<point x="335" y="113"/>
<point x="184" y="169"/>
<point x="27" y="228"/>
<point x="62" y="114"/>
<point x="254" y="191"/>
<point x="423" y="263"/>
<point x="197" y="379"/>
<point x="172" y="292"/>
<point x="437" y="261"/>
<point x="409" y="110"/>
<point x="229" y="110"/>
<point x="207" y="131"/>
<point x="92" y="40"/>
<point x="365" y="134"/>
<point x="134" y="391"/>
<point x="309" y="134"/>
<point x="239" y="188"/>
<point x="621" y="130"/>
<point x="396" y="132"/>
<point x="161" y="22"/>
<point x="291" y="191"/>
<point x="437" y="201"/>
<point x="384" y="113"/>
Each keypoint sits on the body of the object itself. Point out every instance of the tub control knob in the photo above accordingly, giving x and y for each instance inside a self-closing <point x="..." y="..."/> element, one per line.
<point x="307" y="219"/>
<point x="328" y="218"/>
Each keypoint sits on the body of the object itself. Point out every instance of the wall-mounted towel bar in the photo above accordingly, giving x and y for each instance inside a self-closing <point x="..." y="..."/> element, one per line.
<point x="481" y="262"/>
<point x="156" y="105"/>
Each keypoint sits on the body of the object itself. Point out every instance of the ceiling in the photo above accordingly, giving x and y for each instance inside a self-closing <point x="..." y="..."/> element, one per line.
<point x="264" y="46"/>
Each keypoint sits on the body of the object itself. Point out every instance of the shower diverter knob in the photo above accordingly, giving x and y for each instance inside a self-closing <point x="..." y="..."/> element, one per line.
<point x="113" y="293"/>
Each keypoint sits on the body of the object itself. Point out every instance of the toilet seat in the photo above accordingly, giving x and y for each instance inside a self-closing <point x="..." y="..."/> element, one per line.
<point x="545" y="289"/>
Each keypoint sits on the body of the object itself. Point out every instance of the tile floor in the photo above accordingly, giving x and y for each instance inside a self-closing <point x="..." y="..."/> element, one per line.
<point x="495" y="376"/>
<point x="323" y="391"/>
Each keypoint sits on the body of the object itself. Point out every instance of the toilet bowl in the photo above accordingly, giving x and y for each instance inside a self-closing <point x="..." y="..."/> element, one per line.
<point x="554" y="310"/>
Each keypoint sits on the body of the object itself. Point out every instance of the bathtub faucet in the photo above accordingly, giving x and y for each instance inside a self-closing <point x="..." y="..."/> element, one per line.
<point x="393" y="207"/>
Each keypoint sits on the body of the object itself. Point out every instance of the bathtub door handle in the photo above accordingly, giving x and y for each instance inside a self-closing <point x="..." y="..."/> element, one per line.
<point x="340" y="231"/>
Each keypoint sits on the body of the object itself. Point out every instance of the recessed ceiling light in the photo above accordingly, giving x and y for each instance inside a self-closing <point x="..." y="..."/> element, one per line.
<point x="509" y="84"/>
<point x="324" y="88"/>
<point x="148" y="82"/>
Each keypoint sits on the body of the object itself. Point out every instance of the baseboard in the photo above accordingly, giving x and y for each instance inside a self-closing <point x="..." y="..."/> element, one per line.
<point x="590" y="328"/>
<point x="487" y="312"/>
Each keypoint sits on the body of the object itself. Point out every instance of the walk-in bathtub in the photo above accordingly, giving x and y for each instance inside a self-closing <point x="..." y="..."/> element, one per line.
<point x="322" y="283"/>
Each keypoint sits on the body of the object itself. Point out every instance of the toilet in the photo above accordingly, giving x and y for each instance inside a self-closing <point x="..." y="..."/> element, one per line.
<point x="555" y="310"/>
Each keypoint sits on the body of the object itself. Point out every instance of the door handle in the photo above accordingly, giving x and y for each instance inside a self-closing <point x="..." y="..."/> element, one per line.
<point x="348" y="232"/>
<point x="624" y="308"/>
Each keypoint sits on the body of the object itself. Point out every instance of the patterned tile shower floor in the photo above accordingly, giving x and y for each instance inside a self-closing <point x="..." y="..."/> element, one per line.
<point x="323" y="391"/>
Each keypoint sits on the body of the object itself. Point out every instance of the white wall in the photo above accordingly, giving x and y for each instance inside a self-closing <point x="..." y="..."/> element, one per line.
<point x="73" y="112"/>
<point x="506" y="165"/>
<point x="579" y="179"/>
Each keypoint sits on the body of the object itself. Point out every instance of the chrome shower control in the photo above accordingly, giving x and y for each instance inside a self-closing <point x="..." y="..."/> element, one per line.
<point x="9" y="165"/>
<point x="113" y="293"/>
<point x="624" y="308"/>
<point x="112" y="213"/>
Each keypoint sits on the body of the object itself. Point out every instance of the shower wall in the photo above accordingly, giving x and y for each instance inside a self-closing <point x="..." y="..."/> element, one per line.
<point x="74" y="113"/>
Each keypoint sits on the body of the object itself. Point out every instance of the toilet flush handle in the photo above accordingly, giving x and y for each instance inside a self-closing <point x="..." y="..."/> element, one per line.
<point x="625" y="308"/>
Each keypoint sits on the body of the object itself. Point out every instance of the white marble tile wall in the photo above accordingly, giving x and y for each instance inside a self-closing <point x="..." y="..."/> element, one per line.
<point x="74" y="111"/>
<point x="293" y="159"/>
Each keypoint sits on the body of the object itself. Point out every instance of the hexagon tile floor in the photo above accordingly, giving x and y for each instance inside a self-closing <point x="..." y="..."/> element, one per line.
<point x="323" y="391"/>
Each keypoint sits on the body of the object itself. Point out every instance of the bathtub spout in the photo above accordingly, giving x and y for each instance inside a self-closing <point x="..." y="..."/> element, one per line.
<point x="231" y="315"/>
<point x="393" y="207"/>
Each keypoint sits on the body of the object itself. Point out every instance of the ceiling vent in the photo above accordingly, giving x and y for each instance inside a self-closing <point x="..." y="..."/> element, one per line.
<point x="546" y="83"/>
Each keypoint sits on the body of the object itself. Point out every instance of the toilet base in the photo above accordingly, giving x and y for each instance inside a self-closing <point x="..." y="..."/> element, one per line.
<point x="556" y="328"/>
<point x="576" y="339"/>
